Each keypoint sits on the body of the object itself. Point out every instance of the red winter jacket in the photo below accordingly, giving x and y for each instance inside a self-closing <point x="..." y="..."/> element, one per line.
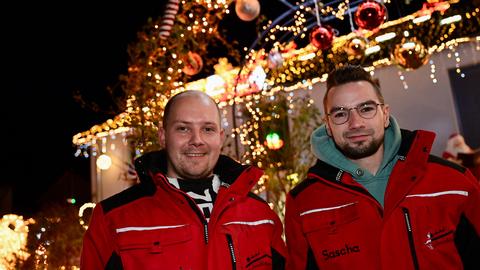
<point x="431" y="218"/>
<point x="153" y="225"/>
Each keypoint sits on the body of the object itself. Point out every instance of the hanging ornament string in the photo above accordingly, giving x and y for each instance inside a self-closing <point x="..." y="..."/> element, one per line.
<point x="317" y="13"/>
<point x="321" y="37"/>
<point x="350" y="17"/>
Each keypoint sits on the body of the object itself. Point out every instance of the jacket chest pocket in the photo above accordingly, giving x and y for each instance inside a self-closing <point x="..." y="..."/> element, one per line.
<point x="148" y="247"/>
<point x="331" y="233"/>
<point x="433" y="223"/>
<point x="329" y="220"/>
<point x="249" y="243"/>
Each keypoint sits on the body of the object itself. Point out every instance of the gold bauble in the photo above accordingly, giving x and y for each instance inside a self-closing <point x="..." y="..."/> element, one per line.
<point x="410" y="54"/>
<point x="355" y="48"/>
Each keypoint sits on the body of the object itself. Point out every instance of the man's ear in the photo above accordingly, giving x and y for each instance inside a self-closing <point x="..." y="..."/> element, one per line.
<point x="327" y="128"/>
<point x="386" y="112"/>
<point x="161" y="137"/>
<point x="222" y="135"/>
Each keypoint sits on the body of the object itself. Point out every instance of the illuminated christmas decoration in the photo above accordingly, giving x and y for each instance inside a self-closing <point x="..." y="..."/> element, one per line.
<point x="410" y="54"/>
<point x="286" y="67"/>
<point x="290" y="69"/>
<point x="71" y="200"/>
<point x="273" y="141"/>
<point x="322" y="37"/>
<point x="13" y="240"/>
<point x="104" y="162"/>
<point x="370" y="15"/>
<point x="81" y="212"/>
<point x="247" y="10"/>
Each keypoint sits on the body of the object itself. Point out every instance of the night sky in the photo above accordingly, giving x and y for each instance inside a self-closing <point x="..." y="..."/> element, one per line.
<point x="50" y="51"/>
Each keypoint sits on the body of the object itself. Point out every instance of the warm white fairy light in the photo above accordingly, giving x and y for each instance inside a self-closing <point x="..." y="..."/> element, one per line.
<point x="41" y="257"/>
<point x="402" y="79"/>
<point x="13" y="240"/>
<point x="81" y="211"/>
<point x="432" y="72"/>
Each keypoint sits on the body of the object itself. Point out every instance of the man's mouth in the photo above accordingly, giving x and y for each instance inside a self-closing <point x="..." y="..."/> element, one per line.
<point x="357" y="136"/>
<point x="195" y="154"/>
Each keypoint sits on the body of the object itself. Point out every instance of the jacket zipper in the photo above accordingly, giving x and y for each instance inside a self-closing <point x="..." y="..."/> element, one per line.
<point x="195" y="208"/>
<point x="200" y="216"/>
<point x="232" y="252"/>
<point x="408" y="224"/>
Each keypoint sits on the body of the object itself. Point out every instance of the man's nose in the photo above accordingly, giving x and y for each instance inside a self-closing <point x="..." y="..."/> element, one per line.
<point x="196" y="138"/>
<point x="354" y="119"/>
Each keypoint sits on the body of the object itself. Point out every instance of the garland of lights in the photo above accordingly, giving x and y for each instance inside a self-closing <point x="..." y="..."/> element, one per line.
<point x="426" y="31"/>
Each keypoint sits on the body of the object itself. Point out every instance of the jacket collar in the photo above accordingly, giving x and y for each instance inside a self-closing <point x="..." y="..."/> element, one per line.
<point x="413" y="155"/>
<point x="228" y="170"/>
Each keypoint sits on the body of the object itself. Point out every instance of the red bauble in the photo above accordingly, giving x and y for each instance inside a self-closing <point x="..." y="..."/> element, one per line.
<point x="322" y="37"/>
<point x="370" y="15"/>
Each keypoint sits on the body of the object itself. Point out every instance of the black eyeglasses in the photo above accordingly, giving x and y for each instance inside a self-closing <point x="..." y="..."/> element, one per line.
<point x="366" y="110"/>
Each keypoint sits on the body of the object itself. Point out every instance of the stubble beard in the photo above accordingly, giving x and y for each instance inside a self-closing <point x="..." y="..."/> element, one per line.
<point x="361" y="149"/>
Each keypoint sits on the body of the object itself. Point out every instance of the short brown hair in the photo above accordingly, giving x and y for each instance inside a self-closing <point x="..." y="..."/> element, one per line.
<point x="350" y="73"/>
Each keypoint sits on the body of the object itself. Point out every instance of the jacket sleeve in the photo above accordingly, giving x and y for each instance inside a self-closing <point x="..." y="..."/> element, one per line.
<point x="467" y="235"/>
<point x="472" y="211"/>
<point x="279" y="250"/>
<point x="98" y="248"/>
<point x="296" y="242"/>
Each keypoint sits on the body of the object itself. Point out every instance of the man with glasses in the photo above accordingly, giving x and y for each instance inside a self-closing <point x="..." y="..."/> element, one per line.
<point x="376" y="198"/>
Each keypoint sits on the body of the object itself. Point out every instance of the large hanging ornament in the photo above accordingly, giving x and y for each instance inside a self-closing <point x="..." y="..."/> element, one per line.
<point x="168" y="18"/>
<point x="322" y="37"/>
<point x="355" y="48"/>
<point x="370" y="15"/>
<point x="247" y="10"/>
<point x="193" y="64"/>
<point x="275" y="59"/>
<point x="410" y="54"/>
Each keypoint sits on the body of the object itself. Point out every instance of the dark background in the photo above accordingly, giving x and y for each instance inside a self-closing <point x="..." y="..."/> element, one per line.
<point x="51" y="51"/>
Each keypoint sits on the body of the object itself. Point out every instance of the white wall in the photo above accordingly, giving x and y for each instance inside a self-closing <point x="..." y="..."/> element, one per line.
<point x="105" y="183"/>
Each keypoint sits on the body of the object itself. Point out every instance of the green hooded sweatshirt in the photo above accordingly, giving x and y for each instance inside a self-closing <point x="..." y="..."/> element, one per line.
<point x="324" y="149"/>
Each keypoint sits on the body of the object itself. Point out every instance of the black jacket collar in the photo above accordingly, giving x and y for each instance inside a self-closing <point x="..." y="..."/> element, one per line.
<point x="156" y="162"/>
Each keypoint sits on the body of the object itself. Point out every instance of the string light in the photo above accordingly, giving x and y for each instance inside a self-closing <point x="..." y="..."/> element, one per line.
<point x="13" y="240"/>
<point x="81" y="212"/>
<point x="432" y="72"/>
<point x="402" y="79"/>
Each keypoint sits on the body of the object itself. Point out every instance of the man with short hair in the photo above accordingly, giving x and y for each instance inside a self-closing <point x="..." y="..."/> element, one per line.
<point x="376" y="198"/>
<point x="193" y="208"/>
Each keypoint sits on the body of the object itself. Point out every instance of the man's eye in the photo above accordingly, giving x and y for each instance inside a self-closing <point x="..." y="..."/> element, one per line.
<point x="181" y="128"/>
<point x="339" y="114"/>
<point x="210" y="129"/>
<point x="367" y="108"/>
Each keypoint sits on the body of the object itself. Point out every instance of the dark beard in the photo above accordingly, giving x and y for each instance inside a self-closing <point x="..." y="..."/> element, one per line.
<point x="360" y="151"/>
